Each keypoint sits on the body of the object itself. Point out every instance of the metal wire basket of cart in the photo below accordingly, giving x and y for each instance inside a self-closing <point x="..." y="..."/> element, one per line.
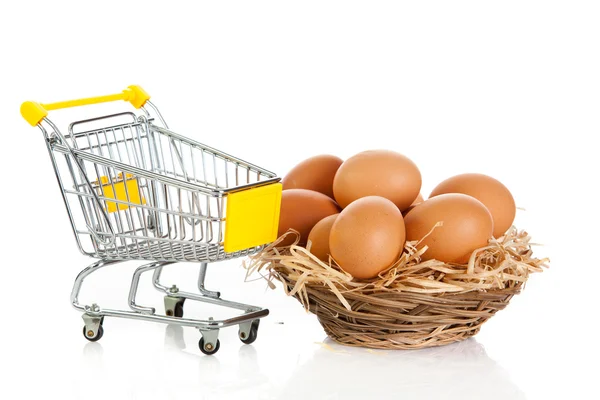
<point x="135" y="190"/>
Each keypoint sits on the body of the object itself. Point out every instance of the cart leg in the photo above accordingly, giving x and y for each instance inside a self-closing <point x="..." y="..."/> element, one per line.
<point x="201" y="278"/>
<point x="174" y="292"/>
<point x="173" y="302"/>
<point x="81" y="277"/>
<point x="203" y="290"/>
<point x="135" y="281"/>
<point x="156" y="280"/>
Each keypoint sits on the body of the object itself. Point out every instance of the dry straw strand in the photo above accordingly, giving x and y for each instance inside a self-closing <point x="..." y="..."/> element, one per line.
<point x="413" y="304"/>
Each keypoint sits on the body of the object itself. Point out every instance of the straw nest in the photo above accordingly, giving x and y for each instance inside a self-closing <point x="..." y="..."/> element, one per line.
<point x="410" y="305"/>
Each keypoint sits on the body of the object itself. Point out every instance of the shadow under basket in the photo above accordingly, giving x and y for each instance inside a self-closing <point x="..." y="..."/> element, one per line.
<point x="413" y="304"/>
<point x="397" y="320"/>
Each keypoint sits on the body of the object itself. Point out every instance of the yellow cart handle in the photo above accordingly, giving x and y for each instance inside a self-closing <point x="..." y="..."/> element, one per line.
<point x="34" y="112"/>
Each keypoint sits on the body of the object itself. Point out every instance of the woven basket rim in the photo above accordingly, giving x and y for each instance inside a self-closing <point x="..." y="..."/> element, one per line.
<point x="412" y="304"/>
<point x="402" y="320"/>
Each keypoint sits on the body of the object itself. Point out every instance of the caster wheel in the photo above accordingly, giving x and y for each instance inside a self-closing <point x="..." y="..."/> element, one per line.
<point x="206" y="351"/>
<point x="177" y="310"/>
<point x="252" y="334"/>
<point x="98" y="336"/>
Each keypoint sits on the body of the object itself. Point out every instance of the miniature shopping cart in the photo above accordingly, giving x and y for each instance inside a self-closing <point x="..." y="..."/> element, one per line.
<point x="134" y="190"/>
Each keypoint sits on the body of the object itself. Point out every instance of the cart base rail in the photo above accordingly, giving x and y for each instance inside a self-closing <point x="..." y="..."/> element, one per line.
<point x="93" y="315"/>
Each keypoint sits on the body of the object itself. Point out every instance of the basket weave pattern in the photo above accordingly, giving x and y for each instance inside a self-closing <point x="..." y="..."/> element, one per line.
<point x="413" y="304"/>
<point x="398" y="320"/>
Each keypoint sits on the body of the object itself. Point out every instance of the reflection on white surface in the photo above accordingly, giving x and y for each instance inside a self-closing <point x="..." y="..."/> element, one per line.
<point x="459" y="371"/>
<point x="174" y="337"/>
<point x="246" y="376"/>
<point x="93" y="351"/>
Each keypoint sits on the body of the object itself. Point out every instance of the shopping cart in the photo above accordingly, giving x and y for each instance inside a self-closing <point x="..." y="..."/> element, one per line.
<point x="134" y="190"/>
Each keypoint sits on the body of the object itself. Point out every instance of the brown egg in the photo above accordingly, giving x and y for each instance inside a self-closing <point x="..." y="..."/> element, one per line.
<point x="301" y="209"/>
<point x="367" y="237"/>
<point x="491" y="192"/>
<point x="377" y="173"/>
<point x="319" y="237"/>
<point x="467" y="226"/>
<point x="315" y="173"/>
<point x="418" y="200"/>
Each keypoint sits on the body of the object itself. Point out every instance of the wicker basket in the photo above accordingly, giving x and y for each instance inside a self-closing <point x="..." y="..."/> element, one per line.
<point x="397" y="320"/>
<point x="413" y="304"/>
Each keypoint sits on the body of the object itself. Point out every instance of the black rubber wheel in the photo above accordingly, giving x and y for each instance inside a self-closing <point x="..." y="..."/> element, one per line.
<point x="178" y="310"/>
<point x="97" y="337"/>
<point x="253" y="334"/>
<point x="208" y="352"/>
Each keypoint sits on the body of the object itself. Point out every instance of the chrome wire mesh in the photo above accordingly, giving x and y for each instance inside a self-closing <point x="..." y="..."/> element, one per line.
<point x="173" y="190"/>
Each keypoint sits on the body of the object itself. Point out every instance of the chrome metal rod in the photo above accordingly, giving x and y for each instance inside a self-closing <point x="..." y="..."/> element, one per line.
<point x="80" y="278"/>
<point x="223" y="155"/>
<point x="199" y="297"/>
<point x="155" y="109"/>
<point x="60" y="184"/>
<point x="201" y="277"/>
<point x="89" y="185"/>
<point x="135" y="281"/>
<point x="156" y="280"/>
<point x="213" y="300"/>
<point x="196" y="323"/>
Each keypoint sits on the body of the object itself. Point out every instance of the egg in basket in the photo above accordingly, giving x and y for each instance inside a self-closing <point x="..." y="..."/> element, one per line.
<point x="383" y="268"/>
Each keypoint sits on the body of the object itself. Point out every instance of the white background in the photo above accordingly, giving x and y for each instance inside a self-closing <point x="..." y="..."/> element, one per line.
<point x="510" y="89"/>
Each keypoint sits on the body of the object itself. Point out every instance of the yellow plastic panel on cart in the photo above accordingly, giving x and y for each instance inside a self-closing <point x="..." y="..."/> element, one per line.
<point x="252" y="217"/>
<point x="121" y="194"/>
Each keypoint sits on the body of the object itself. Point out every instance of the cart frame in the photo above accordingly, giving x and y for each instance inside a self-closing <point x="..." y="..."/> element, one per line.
<point x="134" y="190"/>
